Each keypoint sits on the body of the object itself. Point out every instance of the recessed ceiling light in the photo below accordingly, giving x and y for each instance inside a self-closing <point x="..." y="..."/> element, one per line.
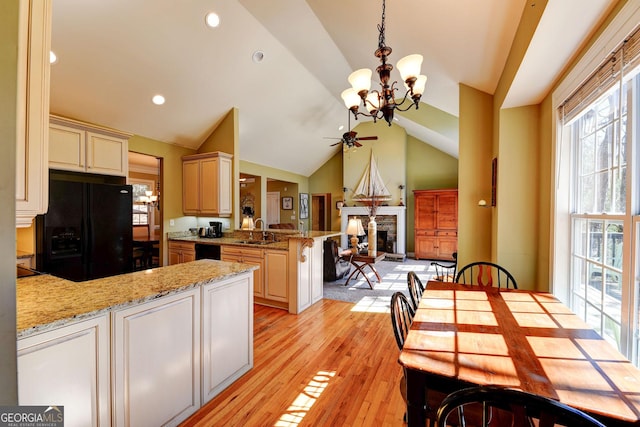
<point x="341" y="127"/>
<point x="257" y="56"/>
<point x="212" y="19"/>
<point x="53" y="58"/>
<point x="158" y="99"/>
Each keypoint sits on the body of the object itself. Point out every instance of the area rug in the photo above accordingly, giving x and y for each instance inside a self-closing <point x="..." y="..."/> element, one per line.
<point x="394" y="278"/>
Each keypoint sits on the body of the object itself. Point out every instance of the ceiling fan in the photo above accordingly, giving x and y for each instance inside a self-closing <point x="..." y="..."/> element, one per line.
<point x="350" y="139"/>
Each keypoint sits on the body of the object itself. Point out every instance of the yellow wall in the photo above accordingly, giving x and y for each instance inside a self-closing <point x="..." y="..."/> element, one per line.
<point x="516" y="213"/>
<point x="474" y="175"/>
<point x="328" y="179"/>
<point x="427" y="169"/>
<point x="266" y="173"/>
<point x="225" y="137"/>
<point x="389" y="151"/>
<point x="8" y="135"/>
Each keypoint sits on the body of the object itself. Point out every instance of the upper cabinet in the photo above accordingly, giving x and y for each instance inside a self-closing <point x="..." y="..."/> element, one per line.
<point x="32" y="178"/>
<point x="81" y="147"/>
<point x="206" y="181"/>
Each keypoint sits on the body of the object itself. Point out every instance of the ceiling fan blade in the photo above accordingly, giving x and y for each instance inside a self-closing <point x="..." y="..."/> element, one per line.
<point x="357" y="144"/>
<point x="337" y="143"/>
<point x="367" y="138"/>
<point x="329" y="137"/>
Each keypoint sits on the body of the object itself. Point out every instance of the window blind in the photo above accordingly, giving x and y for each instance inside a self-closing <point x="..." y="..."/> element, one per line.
<point x="625" y="57"/>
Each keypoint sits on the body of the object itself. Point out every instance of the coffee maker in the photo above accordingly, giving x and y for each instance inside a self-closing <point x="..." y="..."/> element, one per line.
<point x="216" y="229"/>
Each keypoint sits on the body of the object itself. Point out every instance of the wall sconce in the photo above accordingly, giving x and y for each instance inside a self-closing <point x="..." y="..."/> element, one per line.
<point x="482" y="203"/>
<point x="401" y="187"/>
<point x="339" y="205"/>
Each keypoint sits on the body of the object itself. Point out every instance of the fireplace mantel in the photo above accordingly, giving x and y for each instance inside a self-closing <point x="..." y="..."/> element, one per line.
<point x="400" y="212"/>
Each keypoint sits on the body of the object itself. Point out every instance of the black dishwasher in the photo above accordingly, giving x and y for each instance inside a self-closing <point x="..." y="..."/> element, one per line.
<point x="205" y="251"/>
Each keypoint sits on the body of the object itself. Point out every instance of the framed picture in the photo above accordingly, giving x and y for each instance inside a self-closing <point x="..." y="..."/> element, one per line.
<point x="287" y="203"/>
<point x="304" y="205"/>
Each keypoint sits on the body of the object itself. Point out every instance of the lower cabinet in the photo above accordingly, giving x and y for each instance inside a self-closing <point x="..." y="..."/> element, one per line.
<point x="250" y="256"/>
<point x="180" y="252"/>
<point x="227" y="334"/>
<point x="276" y="283"/>
<point x="156" y="361"/>
<point x="68" y="366"/>
<point x="270" y="281"/>
<point x="149" y="364"/>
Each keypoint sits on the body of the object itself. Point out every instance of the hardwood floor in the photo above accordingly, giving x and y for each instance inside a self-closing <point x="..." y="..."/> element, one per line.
<point x="328" y="366"/>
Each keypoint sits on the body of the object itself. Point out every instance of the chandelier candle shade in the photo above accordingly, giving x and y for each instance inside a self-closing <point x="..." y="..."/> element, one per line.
<point x="382" y="103"/>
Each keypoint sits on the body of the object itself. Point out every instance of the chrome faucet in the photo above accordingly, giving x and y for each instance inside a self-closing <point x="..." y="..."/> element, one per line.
<point x="264" y="233"/>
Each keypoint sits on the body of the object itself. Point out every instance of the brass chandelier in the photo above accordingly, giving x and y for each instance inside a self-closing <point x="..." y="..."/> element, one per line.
<point x="382" y="103"/>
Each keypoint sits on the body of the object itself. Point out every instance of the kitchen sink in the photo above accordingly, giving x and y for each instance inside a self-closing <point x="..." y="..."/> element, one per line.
<point x="253" y="242"/>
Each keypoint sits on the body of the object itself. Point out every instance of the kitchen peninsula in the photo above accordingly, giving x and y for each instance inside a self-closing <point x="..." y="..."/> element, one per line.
<point x="290" y="262"/>
<point x="144" y="348"/>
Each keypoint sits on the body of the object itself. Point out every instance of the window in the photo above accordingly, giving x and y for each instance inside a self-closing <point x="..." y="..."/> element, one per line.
<point x="600" y="122"/>
<point x="140" y="210"/>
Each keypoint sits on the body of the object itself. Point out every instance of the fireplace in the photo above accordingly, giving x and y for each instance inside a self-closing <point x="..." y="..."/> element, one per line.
<point x="390" y="219"/>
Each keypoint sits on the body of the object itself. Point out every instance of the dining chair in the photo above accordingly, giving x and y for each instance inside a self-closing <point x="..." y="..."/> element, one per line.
<point x="485" y="273"/>
<point x="416" y="288"/>
<point x="494" y="405"/>
<point x="446" y="272"/>
<point x="402" y="313"/>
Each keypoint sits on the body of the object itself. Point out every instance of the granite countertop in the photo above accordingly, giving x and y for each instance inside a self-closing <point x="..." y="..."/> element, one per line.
<point x="45" y="302"/>
<point x="234" y="241"/>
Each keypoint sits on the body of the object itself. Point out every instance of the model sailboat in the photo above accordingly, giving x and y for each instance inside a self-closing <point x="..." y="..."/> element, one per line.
<point x="371" y="187"/>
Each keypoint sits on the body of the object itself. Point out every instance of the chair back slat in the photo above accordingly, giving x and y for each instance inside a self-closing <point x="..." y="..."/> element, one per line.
<point x="401" y="317"/>
<point x="494" y="405"/>
<point x="485" y="273"/>
<point x="416" y="288"/>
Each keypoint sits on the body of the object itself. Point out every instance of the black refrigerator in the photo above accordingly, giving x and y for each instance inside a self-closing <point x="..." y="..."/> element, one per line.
<point x="87" y="231"/>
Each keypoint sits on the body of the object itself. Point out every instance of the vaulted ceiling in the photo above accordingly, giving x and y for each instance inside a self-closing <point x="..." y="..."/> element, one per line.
<point x="114" y="56"/>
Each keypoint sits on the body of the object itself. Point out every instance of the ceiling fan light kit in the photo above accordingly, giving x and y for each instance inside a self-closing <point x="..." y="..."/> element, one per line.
<point x="382" y="103"/>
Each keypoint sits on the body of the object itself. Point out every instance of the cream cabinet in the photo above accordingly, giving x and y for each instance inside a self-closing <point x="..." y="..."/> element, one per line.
<point x="32" y="122"/>
<point x="252" y="256"/>
<point x="227" y="333"/>
<point x="69" y="366"/>
<point x="276" y="283"/>
<point x="207" y="184"/>
<point x="180" y="252"/>
<point x="156" y="361"/>
<point x="80" y="147"/>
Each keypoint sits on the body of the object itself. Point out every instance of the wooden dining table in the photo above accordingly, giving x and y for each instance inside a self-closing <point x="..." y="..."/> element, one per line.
<point x="463" y="336"/>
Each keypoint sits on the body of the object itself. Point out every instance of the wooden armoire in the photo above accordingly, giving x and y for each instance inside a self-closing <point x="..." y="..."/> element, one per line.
<point x="436" y="224"/>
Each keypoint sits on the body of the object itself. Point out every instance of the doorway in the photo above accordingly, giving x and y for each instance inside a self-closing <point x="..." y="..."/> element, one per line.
<point x="145" y="175"/>
<point x="321" y="212"/>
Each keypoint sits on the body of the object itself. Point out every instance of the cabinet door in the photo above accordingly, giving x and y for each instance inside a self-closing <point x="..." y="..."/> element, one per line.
<point x="32" y="108"/>
<point x="209" y="185"/>
<point x="425" y="211"/>
<point x="66" y="148"/>
<point x="446" y="247"/>
<point x="227" y="333"/>
<point x="236" y="256"/>
<point x="191" y="186"/>
<point x="447" y="211"/>
<point x="188" y="255"/>
<point x="107" y="155"/>
<point x="425" y="246"/>
<point x="224" y="186"/>
<point x="276" y="284"/>
<point x="68" y="366"/>
<point x="156" y="361"/>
